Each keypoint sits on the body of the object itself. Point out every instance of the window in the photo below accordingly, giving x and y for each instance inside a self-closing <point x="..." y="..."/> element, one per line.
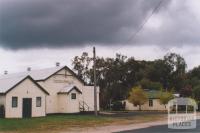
<point x="14" y="102"/>
<point x="73" y="96"/>
<point x="38" y="101"/>
<point x="150" y="103"/>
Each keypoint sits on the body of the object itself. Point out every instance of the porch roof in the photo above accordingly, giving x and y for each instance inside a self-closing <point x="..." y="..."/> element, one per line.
<point x="68" y="89"/>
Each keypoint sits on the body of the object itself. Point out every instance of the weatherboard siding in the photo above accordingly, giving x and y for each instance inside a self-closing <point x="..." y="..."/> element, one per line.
<point x="62" y="103"/>
<point x="66" y="104"/>
<point x="26" y="89"/>
<point x="53" y="85"/>
<point x="58" y="101"/>
<point x="88" y="96"/>
<point x="156" y="106"/>
<point x="73" y="104"/>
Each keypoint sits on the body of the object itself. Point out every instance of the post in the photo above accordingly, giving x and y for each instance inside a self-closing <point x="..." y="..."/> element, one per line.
<point x="95" y="84"/>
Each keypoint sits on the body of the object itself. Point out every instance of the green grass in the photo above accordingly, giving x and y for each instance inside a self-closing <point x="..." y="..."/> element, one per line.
<point x="54" y="122"/>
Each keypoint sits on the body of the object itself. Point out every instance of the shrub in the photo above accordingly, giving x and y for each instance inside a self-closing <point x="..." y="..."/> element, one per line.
<point x="118" y="106"/>
<point x="137" y="96"/>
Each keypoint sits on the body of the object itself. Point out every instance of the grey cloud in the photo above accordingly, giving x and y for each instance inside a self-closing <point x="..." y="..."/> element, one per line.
<point x="26" y="24"/>
<point x="58" y="23"/>
<point x="179" y="27"/>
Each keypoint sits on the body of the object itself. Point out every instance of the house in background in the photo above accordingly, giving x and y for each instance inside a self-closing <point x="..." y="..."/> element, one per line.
<point x="47" y="91"/>
<point x="153" y="102"/>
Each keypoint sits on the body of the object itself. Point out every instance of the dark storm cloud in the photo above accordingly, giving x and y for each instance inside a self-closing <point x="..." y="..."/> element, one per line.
<point x="55" y="23"/>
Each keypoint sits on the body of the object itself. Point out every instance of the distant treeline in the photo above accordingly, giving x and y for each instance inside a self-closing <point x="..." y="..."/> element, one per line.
<point x="116" y="76"/>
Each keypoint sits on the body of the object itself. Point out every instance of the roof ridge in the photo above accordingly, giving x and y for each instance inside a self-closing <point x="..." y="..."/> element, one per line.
<point x="14" y="77"/>
<point x="31" y="70"/>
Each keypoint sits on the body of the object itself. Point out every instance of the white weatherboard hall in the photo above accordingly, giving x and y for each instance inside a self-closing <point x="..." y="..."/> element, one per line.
<point x="40" y="92"/>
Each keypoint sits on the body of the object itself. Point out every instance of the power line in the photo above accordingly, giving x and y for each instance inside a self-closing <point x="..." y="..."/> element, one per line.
<point x="156" y="9"/>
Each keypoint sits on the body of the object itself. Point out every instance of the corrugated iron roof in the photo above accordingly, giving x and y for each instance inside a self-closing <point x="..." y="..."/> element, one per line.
<point x="10" y="80"/>
<point x="35" y="74"/>
<point x="153" y="94"/>
<point x="68" y="89"/>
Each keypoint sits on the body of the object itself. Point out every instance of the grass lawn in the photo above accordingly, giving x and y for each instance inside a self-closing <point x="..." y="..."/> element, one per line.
<point x="55" y="123"/>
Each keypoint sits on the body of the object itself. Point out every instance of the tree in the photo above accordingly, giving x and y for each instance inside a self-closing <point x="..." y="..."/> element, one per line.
<point x="177" y="66"/>
<point x="137" y="96"/>
<point x="176" y="62"/>
<point x="159" y="71"/>
<point x="196" y="93"/>
<point x="147" y="84"/>
<point x="116" y="76"/>
<point x="165" y="97"/>
<point x="195" y="72"/>
<point x="110" y="73"/>
<point x="81" y="66"/>
<point x="186" y="91"/>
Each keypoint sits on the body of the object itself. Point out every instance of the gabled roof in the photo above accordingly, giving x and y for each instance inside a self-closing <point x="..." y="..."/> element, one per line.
<point x="66" y="68"/>
<point x="35" y="74"/>
<point x="7" y="84"/>
<point x="68" y="89"/>
<point x="153" y="94"/>
<point x="42" y="74"/>
<point x="10" y="80"/>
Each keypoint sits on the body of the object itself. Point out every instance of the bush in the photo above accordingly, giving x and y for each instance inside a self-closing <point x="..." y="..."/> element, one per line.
<point x="118" y="106"/>
<point x="137" y="96"/>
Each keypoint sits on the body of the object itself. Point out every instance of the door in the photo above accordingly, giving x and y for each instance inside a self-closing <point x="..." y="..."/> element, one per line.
<point x="27" y="107"/>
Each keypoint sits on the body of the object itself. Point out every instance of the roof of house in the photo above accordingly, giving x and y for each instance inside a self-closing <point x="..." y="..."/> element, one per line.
<point x="7" y="84"/>
<point x="68" y="89"/>
<point x="41" y="74"/>
<point x="35" y="74"/>
<point x="9" y="80"/>
<point x="153" y="94"/>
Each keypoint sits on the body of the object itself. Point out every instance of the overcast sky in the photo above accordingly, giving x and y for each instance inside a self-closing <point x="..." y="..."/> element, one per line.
<point x="38" y="33"/>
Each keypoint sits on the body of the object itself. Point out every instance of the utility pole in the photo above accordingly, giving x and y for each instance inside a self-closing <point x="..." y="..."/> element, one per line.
<point x="95" y="82"/>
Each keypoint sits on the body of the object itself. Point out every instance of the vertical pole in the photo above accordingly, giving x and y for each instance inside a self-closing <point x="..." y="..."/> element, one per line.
<point x="186" y="109"/>
<point x="95" y="84"/>
<point x="110" y="105"/>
